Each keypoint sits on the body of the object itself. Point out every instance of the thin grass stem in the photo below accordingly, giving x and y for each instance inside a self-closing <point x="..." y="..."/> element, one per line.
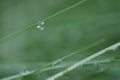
<point x="43" y="20"/>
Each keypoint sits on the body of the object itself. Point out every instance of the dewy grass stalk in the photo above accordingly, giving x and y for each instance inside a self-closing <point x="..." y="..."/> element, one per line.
<point x="82" y="62"/>
<point x="50" y="64"/>
<point x="43" y="20"/>
<point x="61" y="66"/>
<point x="69" y="55"/>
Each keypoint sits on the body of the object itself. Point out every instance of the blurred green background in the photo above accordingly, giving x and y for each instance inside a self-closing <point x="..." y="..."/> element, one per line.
<point x="77" y="28"/>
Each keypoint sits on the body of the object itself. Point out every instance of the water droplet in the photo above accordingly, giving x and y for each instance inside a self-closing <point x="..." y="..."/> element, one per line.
<point x="56" y="62"/>
<point x="41" y="26"/>
<point x="60" y="61"/>
<point x="53" y="64"/>
<point x="25" y="71"/>
<point x="42" y="23"/>
<point x="115" y="49"/>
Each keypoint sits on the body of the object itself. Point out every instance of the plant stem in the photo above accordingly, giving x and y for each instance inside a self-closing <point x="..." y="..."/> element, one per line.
<point x="69" y="55"/>
<point x="43" y="20"/>
<point x="50" y="64"/>
<point x="64" y="10"/>
<point x="16" y="33"/>
<point x="80" y="63"/>
<point x="61" y="66"/>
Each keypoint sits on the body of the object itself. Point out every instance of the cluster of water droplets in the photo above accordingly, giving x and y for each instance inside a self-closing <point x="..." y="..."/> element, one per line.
<point x="41" y="25"/>
<point x="112" y="48"/>
<point x="56" y="62"/>
<point x="24" y="72"/>
<point x="115" y="47"/>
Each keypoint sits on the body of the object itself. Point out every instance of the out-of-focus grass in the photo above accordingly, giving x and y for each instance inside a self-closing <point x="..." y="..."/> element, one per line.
<point x="87" y="23"/>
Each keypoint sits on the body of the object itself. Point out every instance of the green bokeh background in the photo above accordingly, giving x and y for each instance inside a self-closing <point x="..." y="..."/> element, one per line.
<point x="77" y="28"/>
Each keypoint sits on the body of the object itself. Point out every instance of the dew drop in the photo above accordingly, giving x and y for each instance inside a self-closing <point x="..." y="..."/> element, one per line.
<point x="115" y="49"/>
<point x="42" y="23"/>
<point x="60" y="61"/>
<point x="57" y="62"/>
<point x="26" y="71"/>
<point x="54" y="63"/>
<point x="41" y="26"/>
